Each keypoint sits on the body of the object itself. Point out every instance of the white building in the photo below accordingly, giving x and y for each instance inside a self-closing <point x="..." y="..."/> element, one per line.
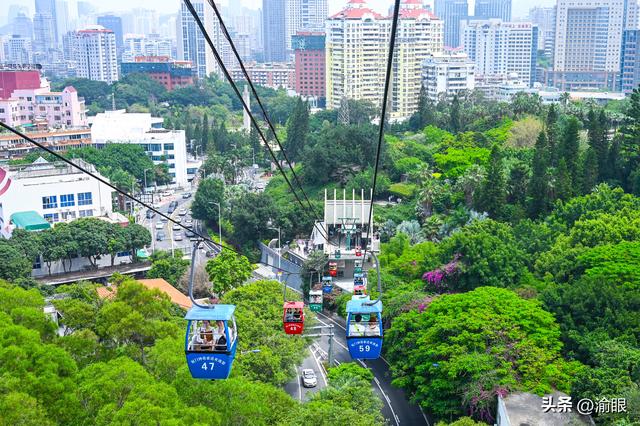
<point x="140" y="128"/>
<point x="588" y="37"/>
<point x="501" y="48"/>
<point x="94" y="52"/>
<point x="139" y="45"/>
<point x="357" y="40"/>
<point x="56" y="191"/>
<point x="450" y="74"/>
<point x="16" y="50"/>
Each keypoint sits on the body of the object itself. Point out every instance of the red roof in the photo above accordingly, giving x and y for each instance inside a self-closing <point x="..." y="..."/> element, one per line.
<point x="293" y="305"/>
<point x="69" y="89"/>
<point x="355" y="13"/>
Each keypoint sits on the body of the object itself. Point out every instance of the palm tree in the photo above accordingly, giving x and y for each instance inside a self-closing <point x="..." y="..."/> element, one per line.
<point x="469" y="182"/>
<point x="426" y="196"/>
<point x="412" y="229"/>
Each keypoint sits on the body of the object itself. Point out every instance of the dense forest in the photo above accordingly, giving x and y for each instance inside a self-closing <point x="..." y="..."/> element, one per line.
<point x="510" y="256"/>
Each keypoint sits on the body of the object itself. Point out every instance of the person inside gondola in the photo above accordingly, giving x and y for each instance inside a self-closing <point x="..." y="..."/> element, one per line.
<point x="203" y="338"/>
<point x="357" y="328"/>
<point x="373" y="328"/>
<point x="297" y="315"/>
<point x="289" y="315"/>
<point x="220" y="337"/>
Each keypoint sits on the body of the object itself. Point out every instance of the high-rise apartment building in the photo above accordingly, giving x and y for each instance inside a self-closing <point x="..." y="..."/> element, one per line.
<point x="18" y="50"/>
<point x="502" y="48"/>
<point x="94" y="52"/>
<point x="192" y="46"/>
<point x="422" y="34"/>
<point x="275" y="30"/>
<point x="282" y="19"/>
<point x="493" y="9"/>
<point x="310" y="63"/>
<point x="113" y="23"/>
<point x="630" y="61"/>
<point x="44" y="27"/>
<point x="357" y="47"/>
<point x="545" y="19"/>
<point x="452" y="12"/>
<point x="449" y="74"/>
<point x="588" y="38"/>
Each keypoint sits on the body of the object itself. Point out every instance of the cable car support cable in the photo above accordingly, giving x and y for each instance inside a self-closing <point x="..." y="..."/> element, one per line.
<point x="255" y="95"/>
<point x="224" y="69"/>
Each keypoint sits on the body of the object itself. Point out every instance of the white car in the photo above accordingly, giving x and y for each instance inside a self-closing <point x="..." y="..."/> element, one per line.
<point x="309" y="379"/>
<point x="159" y="225"/>
<point x="176" y="227"/>
<point x="182" y="212"/>
<point x="177" y="236"/>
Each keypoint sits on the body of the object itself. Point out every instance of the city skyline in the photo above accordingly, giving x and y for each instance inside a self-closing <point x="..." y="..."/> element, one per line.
<point x="520" y="7"/>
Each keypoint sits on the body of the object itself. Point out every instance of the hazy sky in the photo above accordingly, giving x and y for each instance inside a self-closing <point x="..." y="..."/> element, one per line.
<point x="520" y="7"/>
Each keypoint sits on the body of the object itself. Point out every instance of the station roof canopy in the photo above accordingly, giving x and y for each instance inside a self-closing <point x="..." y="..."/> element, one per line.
<point x="30" y="221"/>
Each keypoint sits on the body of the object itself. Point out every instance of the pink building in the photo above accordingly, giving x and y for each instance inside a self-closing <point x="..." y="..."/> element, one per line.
<point x="44" y="108"/>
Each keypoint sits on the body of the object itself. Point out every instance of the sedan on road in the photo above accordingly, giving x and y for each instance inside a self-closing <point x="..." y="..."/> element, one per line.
<point x="186" y="195"/>
<point x="159" y="225"/>
<point x="182" y="212"/>
<point x="177" y="236"/>
<point x="176" y="227"/>
<point x="309" y="379"/>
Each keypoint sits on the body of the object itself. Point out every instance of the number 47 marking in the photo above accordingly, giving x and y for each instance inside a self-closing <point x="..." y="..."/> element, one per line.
<point x="204" y="366"/>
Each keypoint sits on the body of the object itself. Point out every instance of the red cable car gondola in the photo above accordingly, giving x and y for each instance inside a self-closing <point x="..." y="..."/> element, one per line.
<point x="333" y="269"/>
<point x="293" y="317"/>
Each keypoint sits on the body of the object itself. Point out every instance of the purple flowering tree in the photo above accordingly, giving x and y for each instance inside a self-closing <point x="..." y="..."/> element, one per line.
<point x="438" y="277"/>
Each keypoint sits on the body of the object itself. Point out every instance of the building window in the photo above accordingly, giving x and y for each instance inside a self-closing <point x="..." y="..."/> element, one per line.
<point x="168" y="147"/>
<point x="68" y="215"/>
<point x="51" y="217"/>
<point x="85" y="199"/>
<point x="123" y="254"/>
<point x="50" y="202"/>
<point x="86" y="213"/>
<point x="37" y="263"/>
<point x="67" y="200"/>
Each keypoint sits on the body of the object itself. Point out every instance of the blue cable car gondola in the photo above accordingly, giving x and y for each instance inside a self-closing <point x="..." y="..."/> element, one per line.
<point x="364" y="323"/>
<point x="211" y="341"/>
<point x="327" y="284"/>
<point x="364" y="328"/>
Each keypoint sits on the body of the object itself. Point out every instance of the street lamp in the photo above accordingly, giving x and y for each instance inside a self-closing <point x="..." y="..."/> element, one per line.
<point x="145" y="180"/>
<point x="279" y="251"/>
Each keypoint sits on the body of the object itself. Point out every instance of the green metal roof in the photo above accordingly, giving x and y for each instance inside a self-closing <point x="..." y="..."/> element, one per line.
<point x="31" y="221"/>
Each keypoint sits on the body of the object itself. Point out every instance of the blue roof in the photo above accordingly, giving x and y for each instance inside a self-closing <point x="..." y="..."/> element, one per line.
<point x="360" y="306"/>
<point x="218" y="312"/>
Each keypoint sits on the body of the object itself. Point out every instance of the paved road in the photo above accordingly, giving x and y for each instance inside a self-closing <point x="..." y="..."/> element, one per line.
<point x="313" y="361"/>
<point x="397" y="408"/>
<point x="168" y="242"/>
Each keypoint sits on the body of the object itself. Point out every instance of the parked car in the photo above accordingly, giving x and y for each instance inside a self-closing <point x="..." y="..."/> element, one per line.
<point x="178" y="219"/>
<point x="189" y="222"/>
<point x="309" y="379"/>
<point x="160" y="236"/>
<point x="189" y="234"/>
<point x="159" y="225"/>
<point x="176" y="227"/>
<point x="150" y="214"/>
<point x="182" y="212"/>
<point x="186" y="195"/>
<point x="171" y="209"/>
<point x="177" y="236"/>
